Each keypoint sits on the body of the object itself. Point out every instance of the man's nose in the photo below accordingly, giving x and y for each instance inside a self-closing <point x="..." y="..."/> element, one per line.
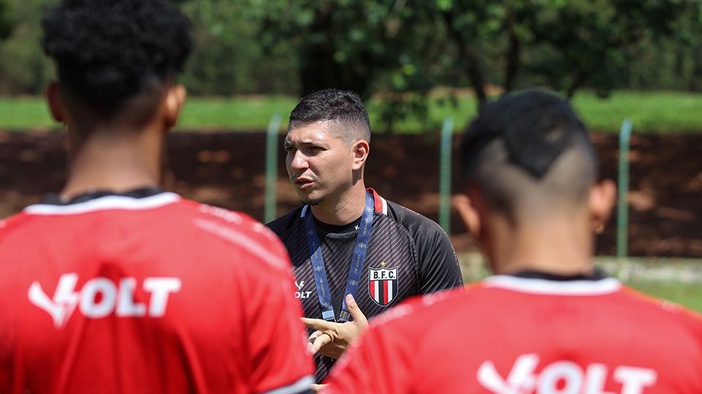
<point x="299" y="160"/>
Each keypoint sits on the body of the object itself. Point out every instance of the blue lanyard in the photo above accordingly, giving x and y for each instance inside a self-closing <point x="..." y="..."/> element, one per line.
<point x="359" y="256"/>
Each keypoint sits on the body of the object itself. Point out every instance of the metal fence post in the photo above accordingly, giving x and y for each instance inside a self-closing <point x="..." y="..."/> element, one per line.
<point x="623" y="189"/>
<point x="271" y="168"/>
<point x="445" y="175"/>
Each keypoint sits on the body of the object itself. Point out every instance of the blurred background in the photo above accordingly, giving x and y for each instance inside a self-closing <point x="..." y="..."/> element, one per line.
<point x="405" y="49"/>
<point x="417" y="64"/>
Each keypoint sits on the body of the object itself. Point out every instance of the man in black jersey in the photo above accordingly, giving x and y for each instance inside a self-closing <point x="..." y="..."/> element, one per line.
<point x="350" y="247"/>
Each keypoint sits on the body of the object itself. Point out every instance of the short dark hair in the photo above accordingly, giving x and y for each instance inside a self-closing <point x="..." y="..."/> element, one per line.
<point x="334" y="105"/>
<point x="528" y="148"/>
<point x="108" y="51"/>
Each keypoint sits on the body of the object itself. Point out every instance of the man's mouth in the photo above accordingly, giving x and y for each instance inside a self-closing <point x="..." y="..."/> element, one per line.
<point x="303" y="183"/>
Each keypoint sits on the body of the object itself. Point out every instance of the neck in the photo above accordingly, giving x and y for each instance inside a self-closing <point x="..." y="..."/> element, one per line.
<point x="557" y="247"/>
<point x="344" y="209"/>
<point x="115" y="160"/>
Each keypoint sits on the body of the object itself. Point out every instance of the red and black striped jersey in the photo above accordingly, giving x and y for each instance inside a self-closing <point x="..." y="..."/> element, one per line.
<point x="408" y="254"/>
<point x="149" y="294"/>
<point x="515" y="334"/>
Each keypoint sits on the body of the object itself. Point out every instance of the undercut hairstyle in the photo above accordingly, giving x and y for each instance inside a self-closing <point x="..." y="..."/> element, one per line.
<point x="529" y="154"/>
<point x="333" y="105"/>
<point x="109" y="51"/>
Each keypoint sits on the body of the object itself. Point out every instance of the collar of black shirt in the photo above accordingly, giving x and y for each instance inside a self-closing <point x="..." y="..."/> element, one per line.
<point x="345" y="228"/>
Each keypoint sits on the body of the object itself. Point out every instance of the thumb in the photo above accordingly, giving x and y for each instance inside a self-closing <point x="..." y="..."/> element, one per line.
<point x="358" y="317"/>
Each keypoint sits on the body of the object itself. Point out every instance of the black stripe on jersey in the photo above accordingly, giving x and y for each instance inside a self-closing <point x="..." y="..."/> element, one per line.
<point x="597" y="274"/>
<point x="55" y="199"/>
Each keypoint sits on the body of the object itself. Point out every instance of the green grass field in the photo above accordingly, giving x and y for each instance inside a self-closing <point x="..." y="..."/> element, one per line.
<point x="649" y="111"/>
<point x="688" y="294"/>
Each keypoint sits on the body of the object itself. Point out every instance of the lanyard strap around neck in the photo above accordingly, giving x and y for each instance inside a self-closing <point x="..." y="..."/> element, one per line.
<point x="359" y="256"/>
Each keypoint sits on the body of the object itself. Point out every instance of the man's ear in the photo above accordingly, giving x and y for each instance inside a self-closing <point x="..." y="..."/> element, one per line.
<point x="361" y="149"/>
<point x="463" y="204"/>
<point x="175" y="99"/>
<point x="603" y="195"/>
<point x="55" y="102"/>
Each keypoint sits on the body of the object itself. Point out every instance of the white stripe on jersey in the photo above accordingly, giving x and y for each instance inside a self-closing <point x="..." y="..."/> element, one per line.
<point x="391" y="288"/>
<point x="297" y="387"/>
<point x="552" y="287"/>
<point x="105" y="203"/>
<point x="384" y="202"/>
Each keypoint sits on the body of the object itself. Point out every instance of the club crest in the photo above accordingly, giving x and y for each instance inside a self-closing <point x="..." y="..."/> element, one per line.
<point x="382" y="284"/>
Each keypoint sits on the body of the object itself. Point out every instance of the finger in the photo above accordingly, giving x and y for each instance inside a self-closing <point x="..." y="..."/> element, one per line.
<point x="310" y="342"/>
<point x="316" y="324"/>
<point x="310" y="349"/>
<point x="358" y="317"/>
<point x="314" y="336"/>
<point x="321" y="341"/>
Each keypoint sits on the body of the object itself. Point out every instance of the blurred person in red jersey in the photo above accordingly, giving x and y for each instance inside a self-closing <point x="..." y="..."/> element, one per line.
<point x="114" y="285"/>
<point x="548" y="321"/>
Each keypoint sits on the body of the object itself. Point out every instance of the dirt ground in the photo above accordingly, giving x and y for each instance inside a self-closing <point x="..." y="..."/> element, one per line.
<point x="227" y="169"/>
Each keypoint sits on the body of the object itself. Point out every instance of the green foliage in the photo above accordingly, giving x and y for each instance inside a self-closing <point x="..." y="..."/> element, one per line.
<point x="397" y="53"/>
<point x="23" y="67"/>
<point x="228" y="58"/>
<point x="339" y="43"/>
<point x="565" y="45"/>
<point x="589" y="42"/>
<point x="6" y="20"/>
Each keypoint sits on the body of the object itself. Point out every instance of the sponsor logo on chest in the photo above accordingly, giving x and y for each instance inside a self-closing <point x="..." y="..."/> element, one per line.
<point x="301" y="292"/>
<point x="382" y="284"/>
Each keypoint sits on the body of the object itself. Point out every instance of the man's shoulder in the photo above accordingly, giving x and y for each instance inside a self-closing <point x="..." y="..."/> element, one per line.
<point x="12" y="224"/>
<point x="240" y="232"/>
<point x="425" y="233"/>
<point x="413" y="221"/>
<point x="283" y="224"/>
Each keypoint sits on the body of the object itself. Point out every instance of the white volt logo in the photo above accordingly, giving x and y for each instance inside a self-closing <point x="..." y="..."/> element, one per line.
<point x="299" y="293"/>
<point x="100" y="297"/>
<point x="564" y="377"/>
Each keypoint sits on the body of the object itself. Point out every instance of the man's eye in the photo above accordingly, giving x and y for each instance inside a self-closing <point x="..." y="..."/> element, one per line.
<point x="289" y="148"/>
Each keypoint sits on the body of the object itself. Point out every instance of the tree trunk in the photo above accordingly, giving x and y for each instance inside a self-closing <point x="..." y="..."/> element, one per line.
<point x="319" y="70"/>
<point x="513" y="51"/>
<point x="695" y="81"/>
<point x="467" y="51"/>
<point x="578" y="80"/>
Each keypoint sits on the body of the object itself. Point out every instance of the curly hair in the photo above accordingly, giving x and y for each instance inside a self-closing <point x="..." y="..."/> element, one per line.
<point x="108" y="51"/>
